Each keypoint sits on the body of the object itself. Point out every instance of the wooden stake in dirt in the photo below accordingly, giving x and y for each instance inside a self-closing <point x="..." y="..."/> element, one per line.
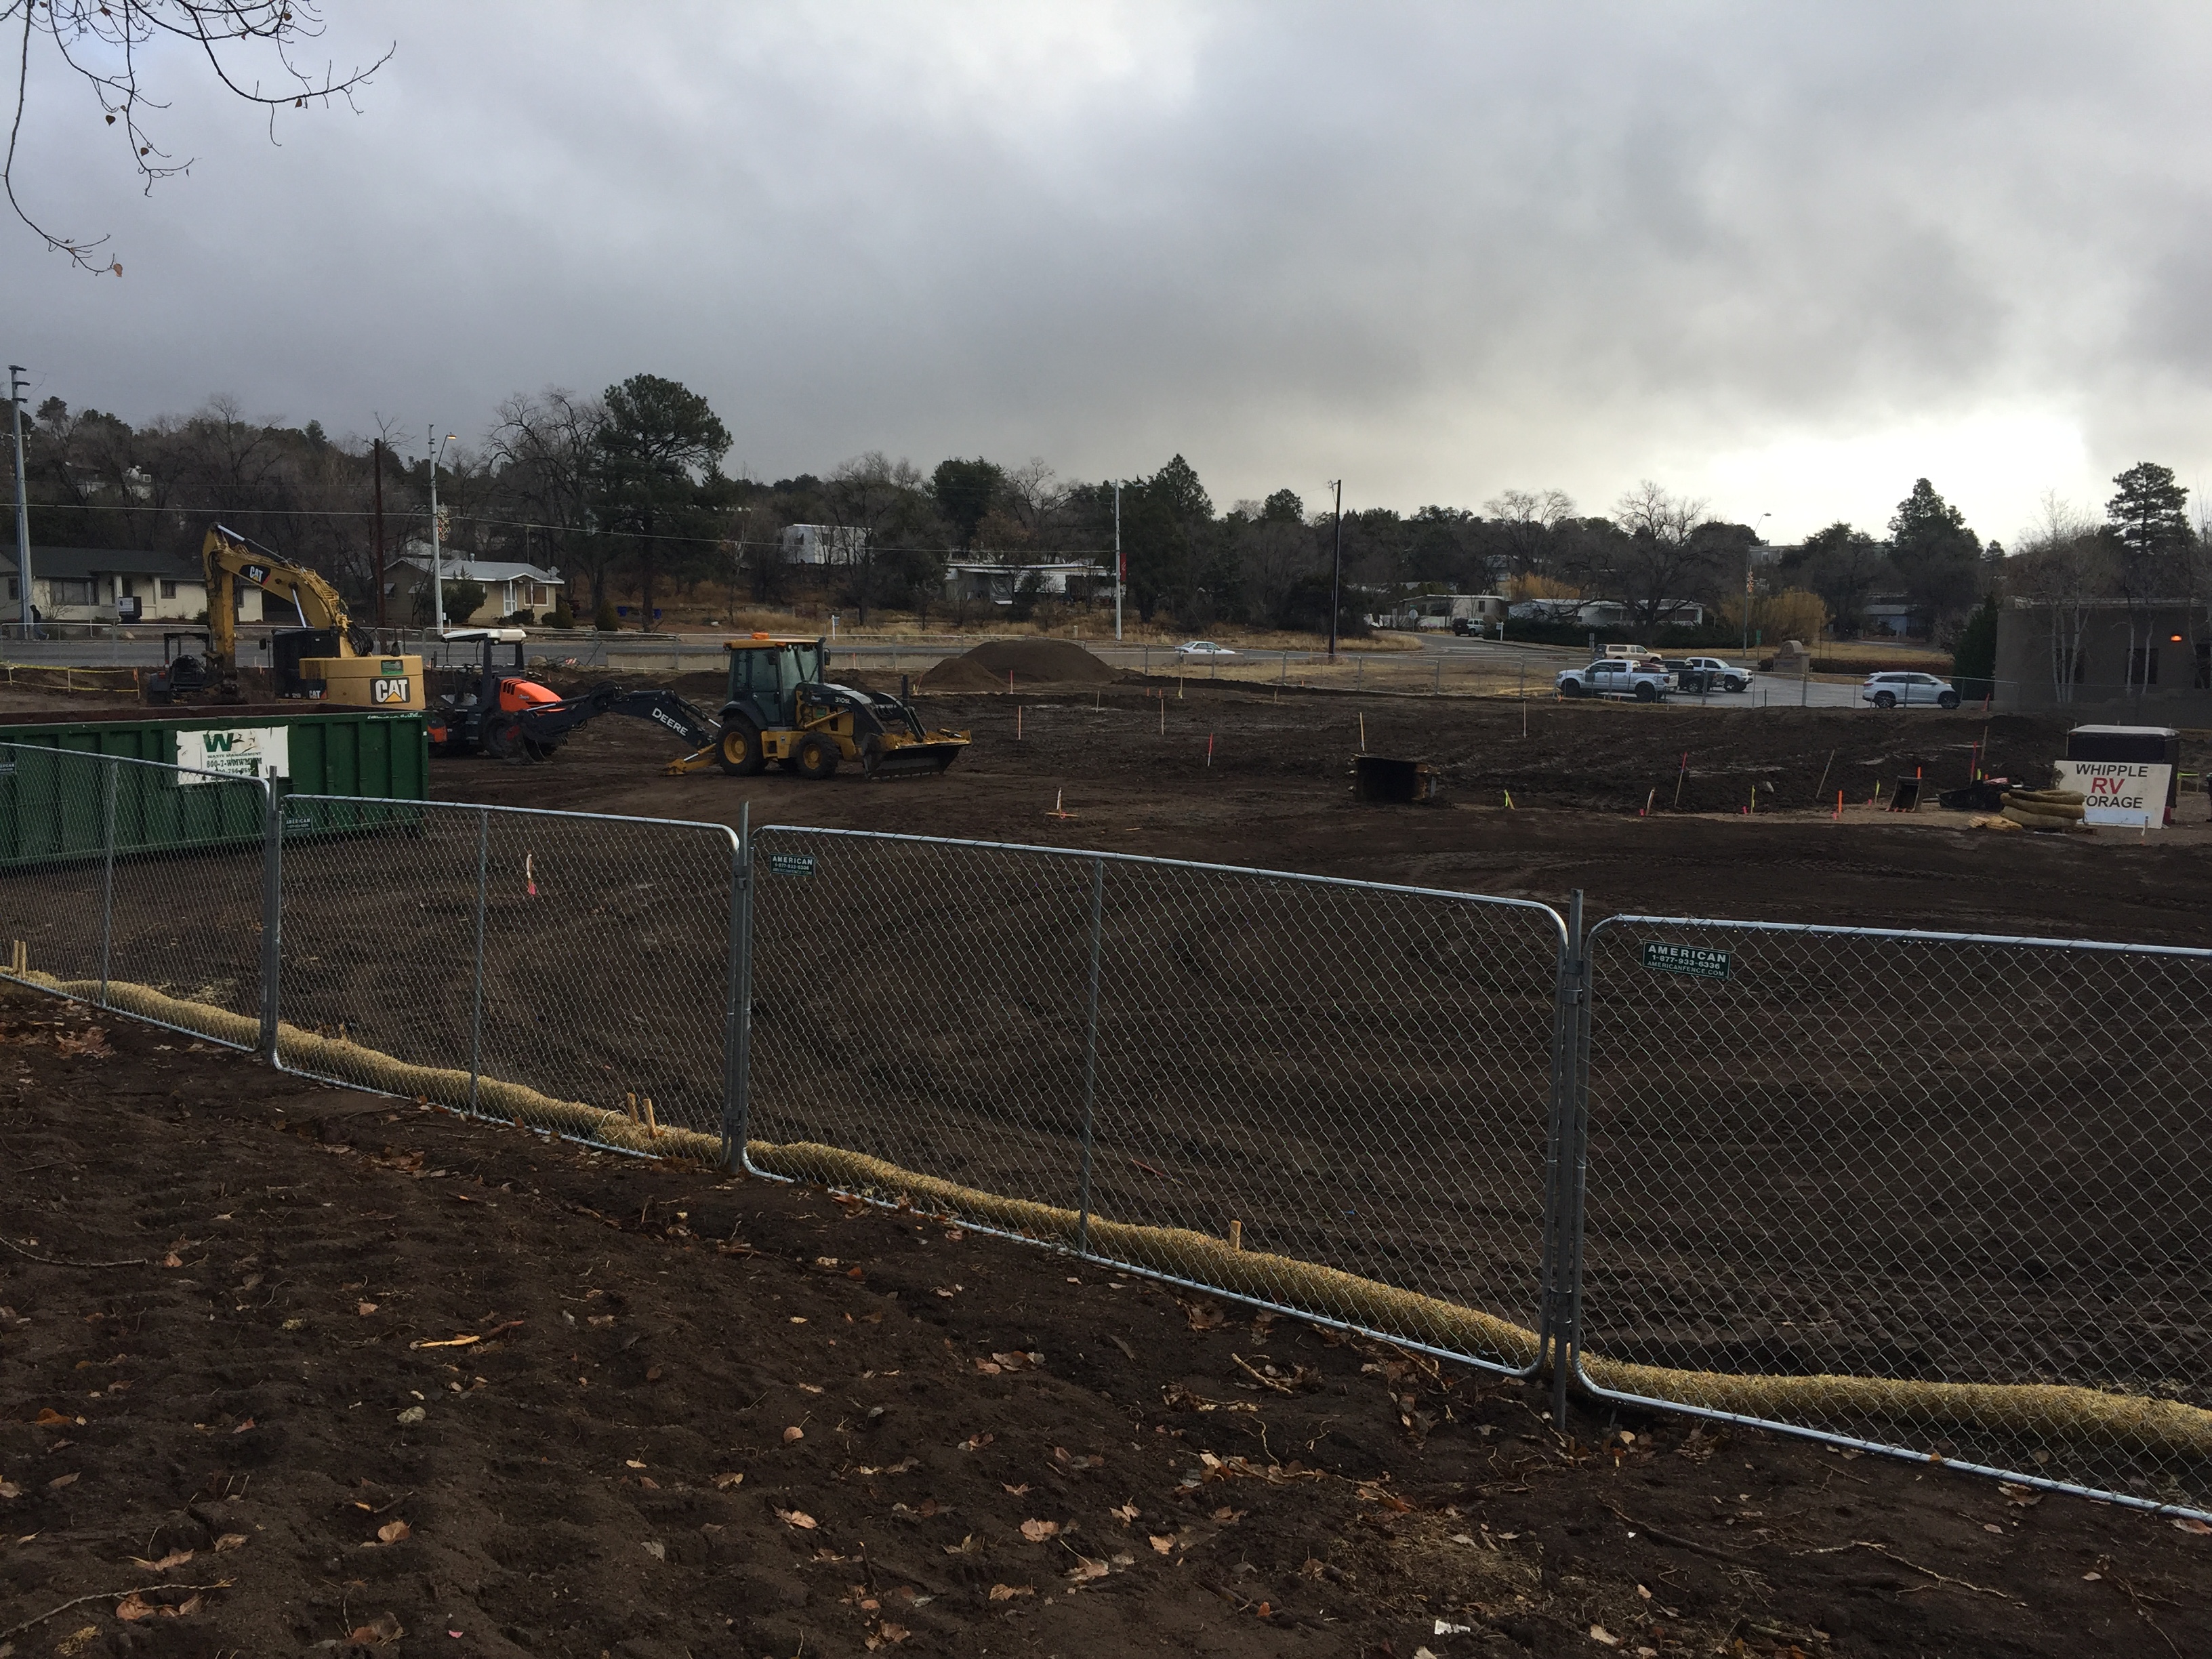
<point x="1509" y="800"/>
<point x="651" y="1127"/>
<point x="1678" y="776"/>
<point x="1840" y="806"/>
<point x="1648" y="799"/>
<point x="1821" y="787"/>
<point x="1236" y="1235"/>
<point x="1209" y="748"/>
<point x="1058" y="807"/>
<point x="19" y="957"/>
<point x="1362" y="734"/>
<point x="1017" y="722"/>
<point x="1163" y="714"/>
<point x="629" y="1104"/>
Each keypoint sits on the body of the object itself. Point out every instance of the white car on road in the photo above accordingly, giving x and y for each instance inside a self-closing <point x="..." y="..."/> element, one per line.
<point x="1616" y="677"/>
<point x="1909" y="690"/>
<point x="1202" y="649"/>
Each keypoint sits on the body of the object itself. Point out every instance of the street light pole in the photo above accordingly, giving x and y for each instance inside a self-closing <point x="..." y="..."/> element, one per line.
<point x="437" y="557"/>
<point x="22" y="506"/>
<point x="1336" y="581"/>
<point x="1752" y="543"/>
<point x="1121" y="571"/>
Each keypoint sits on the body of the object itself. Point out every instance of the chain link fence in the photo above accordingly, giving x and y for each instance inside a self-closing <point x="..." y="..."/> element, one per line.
<point x="120" y="878"/>
<point x="515" y="961"/>
<point x="1939" y="1194"/>
<point x="1227" y="1076"/>
<point x="1932" y="1193"/>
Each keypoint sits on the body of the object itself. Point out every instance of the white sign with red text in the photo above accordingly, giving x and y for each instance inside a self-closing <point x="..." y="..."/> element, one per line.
<point x="2127" y="794"/>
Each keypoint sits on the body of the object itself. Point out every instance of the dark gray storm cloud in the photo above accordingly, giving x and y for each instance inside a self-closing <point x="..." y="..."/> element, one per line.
<point x="1785" y="257"/>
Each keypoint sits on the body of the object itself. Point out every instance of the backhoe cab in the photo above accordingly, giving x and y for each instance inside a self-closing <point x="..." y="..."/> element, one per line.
<point x="780" y="708"/>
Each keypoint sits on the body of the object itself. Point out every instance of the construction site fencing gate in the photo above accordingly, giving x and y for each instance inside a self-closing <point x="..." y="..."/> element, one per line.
<point x="1940" y="1194"/>
<point x="1225" y="1077"/>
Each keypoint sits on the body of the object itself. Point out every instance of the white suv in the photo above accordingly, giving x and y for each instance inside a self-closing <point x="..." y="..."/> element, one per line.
<point x="1925" y="691"/>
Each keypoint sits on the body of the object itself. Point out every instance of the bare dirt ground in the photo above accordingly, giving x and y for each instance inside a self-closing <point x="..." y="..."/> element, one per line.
<point x="1131" y="761"/>
<point x="291" y="1370"/>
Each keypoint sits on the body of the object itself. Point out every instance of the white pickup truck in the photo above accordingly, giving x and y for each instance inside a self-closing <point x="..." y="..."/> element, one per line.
<point x="1616" y="677"/>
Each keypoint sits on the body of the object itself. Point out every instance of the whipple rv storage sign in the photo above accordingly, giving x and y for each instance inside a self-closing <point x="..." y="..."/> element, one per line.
<point x="2128" y="794"/>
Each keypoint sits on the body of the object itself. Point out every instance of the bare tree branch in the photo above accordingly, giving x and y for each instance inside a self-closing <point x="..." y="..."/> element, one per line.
<point x="102" y="42"/>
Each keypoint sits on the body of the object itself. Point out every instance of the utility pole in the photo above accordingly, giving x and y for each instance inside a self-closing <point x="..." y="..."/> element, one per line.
<point x="1120" y="566"/>
<point x="376" y="459"/>
<point x="22" y="506"/>
<point x="1336" y="584"/>
<point x="1761" y="519"/>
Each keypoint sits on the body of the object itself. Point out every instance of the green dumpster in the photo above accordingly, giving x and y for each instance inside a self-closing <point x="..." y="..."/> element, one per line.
<point x="54" y="806"/>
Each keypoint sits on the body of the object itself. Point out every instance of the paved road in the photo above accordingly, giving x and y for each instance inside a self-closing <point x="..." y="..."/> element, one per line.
<point x="703" y="652"/>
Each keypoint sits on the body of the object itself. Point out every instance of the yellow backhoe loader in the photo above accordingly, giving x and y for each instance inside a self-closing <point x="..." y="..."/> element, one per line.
<point x="317" y="660"/>
<point x="778" y="708"/>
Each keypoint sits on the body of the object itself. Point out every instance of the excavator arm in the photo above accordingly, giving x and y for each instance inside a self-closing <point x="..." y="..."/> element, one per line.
<point x="227" y="558"/>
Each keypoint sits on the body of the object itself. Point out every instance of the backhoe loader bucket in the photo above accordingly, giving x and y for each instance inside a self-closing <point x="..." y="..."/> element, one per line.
<point x="891" y="755"/>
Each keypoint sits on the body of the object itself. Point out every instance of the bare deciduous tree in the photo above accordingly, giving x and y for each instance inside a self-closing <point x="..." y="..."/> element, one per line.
<point x="1664" y="562"/>
<point x="107" y="44"/>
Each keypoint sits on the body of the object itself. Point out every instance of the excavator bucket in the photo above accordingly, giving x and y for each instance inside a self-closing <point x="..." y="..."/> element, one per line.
<point x="893" y="756"/>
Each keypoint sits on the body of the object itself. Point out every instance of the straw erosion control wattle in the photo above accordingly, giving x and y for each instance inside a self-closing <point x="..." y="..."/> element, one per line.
<point x="1010" y="665"/>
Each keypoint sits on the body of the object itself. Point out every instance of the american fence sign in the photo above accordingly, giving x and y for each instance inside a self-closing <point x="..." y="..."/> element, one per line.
<point x="1694" y="961"/>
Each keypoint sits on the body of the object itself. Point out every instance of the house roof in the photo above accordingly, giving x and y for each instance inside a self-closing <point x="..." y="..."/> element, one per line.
<point x="484" y="570"/>
<point x="81" y="561"/>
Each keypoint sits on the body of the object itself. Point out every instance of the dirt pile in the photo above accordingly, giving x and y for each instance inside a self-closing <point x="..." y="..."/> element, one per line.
<point x="1031" y="662"/>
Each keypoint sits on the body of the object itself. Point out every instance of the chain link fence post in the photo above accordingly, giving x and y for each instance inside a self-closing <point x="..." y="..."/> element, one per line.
<point x="738" y="1012"/>
<point x="272" y="914"/>
<point x="1565" y="1156"/>
<point x="1091" y="1056"/>
<point x="476" y="1007"/>
<point x="107" y="772"/>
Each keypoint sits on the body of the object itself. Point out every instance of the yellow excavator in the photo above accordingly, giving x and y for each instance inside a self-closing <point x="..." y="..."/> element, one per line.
<point x="317" y="661"/>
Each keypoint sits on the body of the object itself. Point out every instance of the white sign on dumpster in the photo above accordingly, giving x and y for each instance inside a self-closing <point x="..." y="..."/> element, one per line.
<point x="237" y="751"/>
<point x="2127" y="794"/>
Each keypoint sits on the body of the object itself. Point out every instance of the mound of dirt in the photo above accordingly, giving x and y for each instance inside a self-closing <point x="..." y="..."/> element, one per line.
<point x="1036" y="662"/>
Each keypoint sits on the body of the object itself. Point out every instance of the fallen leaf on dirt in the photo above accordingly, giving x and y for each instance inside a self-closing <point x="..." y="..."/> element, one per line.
<point x="1037" y="1531"/>
<point x="891" y="1632"/>
<point x="449" y="1342"/>
<point x="1022" y="1491"/>
<point x="795" y="1432"/>
<point x="1205" y="1315"/>
<point x="798" y="1518"/>
<point x="365" y="1308"/>
<point x="2189" y="1523"/>
<point x="632" y="1463"/>
<point x="92" y="1044"/>
<point x="1011" y="1362"/>
<point x="379" y="1632"/>
<point x="1600" y="1634"/>
<point x="1085" y="1569"/>
<point x="9" y="1488"/>
<point x="967" y="1546"/>
<point x="724" y="1482"/>
<point x="656" y="1549"/>
<point x="947" y="1293"/>
<point x="977" y="1442"/>
<point x="132" y="1608"/>
<point x="242" y="1427"/>
<point x="172" y="1260"/>
<point x="985" y="1368"/>
<point x="1125" y="1513"/>
<point x="413" y="1415"/>
<point x="1008" y="1592"/>
<point x="825" y="1260"/>
<point x="61" y="1480"/>
<point x="173" y="1559"/>
<point x="394" y="1532"/>
<point x="230" y="1541"/>
<point x="1163" y="1545"/>
<point x="48" y="1418"/>
<point x="75" y="1642"/>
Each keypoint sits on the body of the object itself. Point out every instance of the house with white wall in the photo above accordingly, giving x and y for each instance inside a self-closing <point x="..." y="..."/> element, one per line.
<point x="94" y="584"/>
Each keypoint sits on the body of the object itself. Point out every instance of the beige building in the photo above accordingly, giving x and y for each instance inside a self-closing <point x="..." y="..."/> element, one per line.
<point x="510" y="588"/>
<point x="110" y="585"/>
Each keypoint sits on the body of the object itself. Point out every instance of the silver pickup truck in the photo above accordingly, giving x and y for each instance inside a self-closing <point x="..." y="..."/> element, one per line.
<point x="1616" y="677"/>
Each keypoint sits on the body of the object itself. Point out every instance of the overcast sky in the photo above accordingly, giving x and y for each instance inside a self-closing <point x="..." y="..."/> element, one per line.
<point x="1785" y="257"/>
